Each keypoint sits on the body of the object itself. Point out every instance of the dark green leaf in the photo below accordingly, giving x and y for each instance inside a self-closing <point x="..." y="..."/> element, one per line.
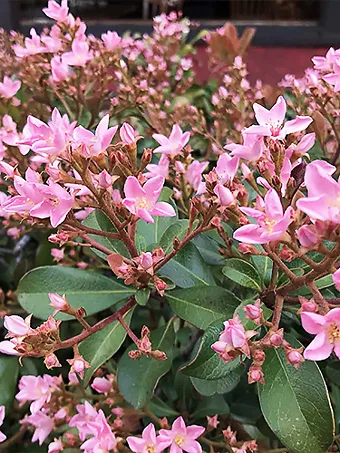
<point x="9" y="371"/>
<point x="101" y="346"/>
<point x="86" y="289"/>
<point x="321" y="283"/>
<point x="99" y="221"/>
<point x="295" y="404"/>
<point x="161" y="409"/>
<point x="243" y="273"/>
<point x="142" y="296"/>
<point x="188" y="269"/>
<point x="207" y="364"/>
<point x="203" y="305"/>
<point x="226" y="384"/>
<point x="211" y="406"/>
<point x="264" y="266"/>
<point x="137" y="379"/>
<point x="177" y="229"/>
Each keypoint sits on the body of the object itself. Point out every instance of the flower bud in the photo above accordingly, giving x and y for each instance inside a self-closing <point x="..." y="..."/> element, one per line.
<point x="213" y="421"/>
<point x="253" y="311"/>
<point x="56" y="446"/>
<point x="58" y="302"/>
<point x="295" y="358"/>
<point x="255" y="374"/>
<point x="127" y="134"/>
<point x="51" y="361"/>
<point x="135" y="354"/>
<point x="101" y="385"/>
<point x="146" y="260"/>
<point x="259" y="356"/>
<point x="105" y="179"/>
<point x="158" y="355"/>
<point x="276" y="340"/>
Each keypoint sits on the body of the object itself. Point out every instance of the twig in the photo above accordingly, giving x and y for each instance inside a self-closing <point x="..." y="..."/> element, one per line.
<point x="277" y="310"/>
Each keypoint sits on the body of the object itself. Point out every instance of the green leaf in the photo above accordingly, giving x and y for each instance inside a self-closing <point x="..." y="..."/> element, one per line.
<point x="296" y="405"/>
<point x="207" y="364"/>
<point x="86" y="289"/>
<point x="264" y="266"/>
<point x="321" y="283"/>
<point x="142" y="296"/>
<point x="101" y="346"/>
<point x="243" y="273"/>
<point x="98" y="220"/>
<point x="211" y="406"/>
<point x="161" y="409"/>
<point x="208" y="248"/>
<point x="177" y="229"/>
<point x="226" y="384"/>
<point x="9" y="371"/>
<point x="203" y="305"/>
<point x="137" y="379"/>
<point x="152" y="232"/>
<point x="188" y="269"/>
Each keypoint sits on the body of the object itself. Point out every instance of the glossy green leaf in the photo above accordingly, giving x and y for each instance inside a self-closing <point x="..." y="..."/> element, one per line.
<point x="98" y="220"/>
<point x="142" y="296"/>
<point x="264" y="266"/>
<point x="211" y="406"/>
<point x="243" y="273"/>
<point x="177" y="229"/>
<point x="137" y="379"/>
<point x="203" y="305"/>
<point x="209" y="387"/>
<point x="152" y="232"/>
<point x="86" y="289"/>
<point x="159" y="408"/>
<point x="207" y="364"/>
<point x="321" y="283"/>
<point x="296" y="405"/>
<point x="188" y="269"/>
<point x="9" y="371"/>
<point x="101" y="346"/>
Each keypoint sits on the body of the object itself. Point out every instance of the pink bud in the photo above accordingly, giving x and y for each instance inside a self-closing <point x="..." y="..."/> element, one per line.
<point x="73" y="379"/>
<point x="51" y="361"/>
<point x="56" y="446"/>
<point x="252" y="311"/>
<point x="309" y="306"/>
<point x="105" y="179"/>
<point x="101" y="385"/>
<point x="116" y="196"/>
<point x="213" y="421"/>
<point x="294" y="357"/>
<point x="255" y="375"/>
<point x="179" y="167"/>
<point x="307" y="236"/>
<point x="119" y="411"/>
<point x="276" y="339"/>
<point x="58" y="302"/>
<point x="127" y="134"/>
<point x="225" y="196"/>
<point x="146" y="260"/>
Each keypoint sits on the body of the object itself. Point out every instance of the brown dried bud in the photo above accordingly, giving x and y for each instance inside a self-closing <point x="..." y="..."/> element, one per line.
<point x="135" y="354"/>
<point x="158" y="355"/>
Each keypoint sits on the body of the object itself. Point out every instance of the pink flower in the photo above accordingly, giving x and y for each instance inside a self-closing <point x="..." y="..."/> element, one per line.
<point x="95" y="143"/>
<point x="308" y="236"/>
<point x="226" y="168"/>
<point x="336" y="279"/>
<point x="271" y="121"/>
<point x="254" y="311"/>
<point x="2" y="417"/>
<point x="86" y="413"/>
<point x="8" y="88"/>
<point x="128" y="135"/>
<point x="173" y="144"/>
<point x="59" y="303"/>
<point x="32" y="46"/>
<point x="78" y="365"/>
<point x="326" y="63"/>
<point x="271" y="224"/>
<point x="111" y="40"/>
<point x="162" y="168"/>
<point x="39" y="200"/>
<point x="149" y="442"/>
<point x="17" y="326"/>
<point x="58" y="254"/>
<point x="56" y="446"/>
<point x="334" y="78"/>
<point x="142" y="201"/>
<point x="80" y="54"/>
<point x="225" y="196"/>
<point x="252" y="148"/>
<point x="194" y="173"/>
<point x="60" y="69"/>
<point x="233" y="338"/>
<point x="103" y="440"/>
<point x="181" y="438"/>
<point x="37" y="389"/>
<point x="101" y="385"/>
<point x="56" y="11"/>
<point x="43" y="424"/>
<point x="327" y="331"/>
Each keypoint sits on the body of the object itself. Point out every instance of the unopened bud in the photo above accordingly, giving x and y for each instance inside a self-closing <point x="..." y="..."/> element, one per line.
<point x="255" y="374"/>
<point x="295" y="358"/>
<point x="135" y="354"/>
<point x="158" y="355"/>
<point x="146" y="260"/>
<point x="276" y="339"/>
<point x="259" y="356"/>
<point x="51" y="361"/>
<point x="253" y="311"/>
<point x="176" y="243"/>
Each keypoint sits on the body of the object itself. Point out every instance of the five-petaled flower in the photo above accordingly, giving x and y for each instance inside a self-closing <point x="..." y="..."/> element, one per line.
<point x="148" y="443"/>
<point x="173" y="144"/>
<point x="181" y="437"/>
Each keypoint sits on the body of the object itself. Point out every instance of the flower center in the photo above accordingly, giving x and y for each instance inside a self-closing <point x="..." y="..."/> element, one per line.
<point x="269" y="224"/>
<point x="179" y="440"/>
<point x="143" y="203"/>
<point x="333" y="332"/>
<point x="150" y="448"/>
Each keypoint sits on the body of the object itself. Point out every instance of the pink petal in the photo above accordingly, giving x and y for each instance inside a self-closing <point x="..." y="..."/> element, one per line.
<point x="312" y="322"/>
<point x="136" y="444"/>
<point x="273" y="205"/>
<point x="163" y="209"/>
<point x="7" y="347"/>
<point x="179" y="426"/>
<point x="133" y="189"/>
<point x="319" y="349"/>
<point x="249" y="234"/>
<point x="333" y="315"/>
<point x="175" y="448"/>
<point x="153" y="187"/>
<point x="195" y="431"/>
<point x="145" y="215"/>
<point x="299" y="123"/>
<point x="192" y="447"/>
<point x="149" y="433"/>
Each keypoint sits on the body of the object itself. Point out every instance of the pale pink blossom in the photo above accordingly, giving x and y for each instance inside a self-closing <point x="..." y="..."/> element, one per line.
<point x="59" y="303"/>
<point x="37" y="389"/>
<point x="181" y="437"/>
<point x="17" y="326"/>
<point x="56" y="11"/>
<point x="32" y="46"/>
<point x="226" y="168"/>
<point x="162" y="168"/>
<point x="9" y="87"/>
<point x="128" y="134"/>
<point x="2" y="418"/>
<point x="111" y="40"/>
<point x="80" y="54"/>
<point x="251" y="149"/>
<point x="103" y="439"/>
<point x="58" y="254"/>
<point x="142" y="201"/>
<point x="327" y="331"/>
<point x="271" y="121"/>
<point x="56" y="446"/>
<point x="43" y="424"/>
<point x="272" y="222"/>
<point x="86" y="413"/>
<point x="326" y="63"/>
<point x="233" y="338"/>
<point x="194" y="173"/>
<point x="336" y="279"/>
<point x="334" y="77"/>
<point x="60" y="70"/>
<point x="95" y="143"/>
<point x="173" y="144"/>
<point x="148" y="443"/>
<point x="224" y="195"/>
<point x="323" y="201"/>
<point x="101" y="385"/>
